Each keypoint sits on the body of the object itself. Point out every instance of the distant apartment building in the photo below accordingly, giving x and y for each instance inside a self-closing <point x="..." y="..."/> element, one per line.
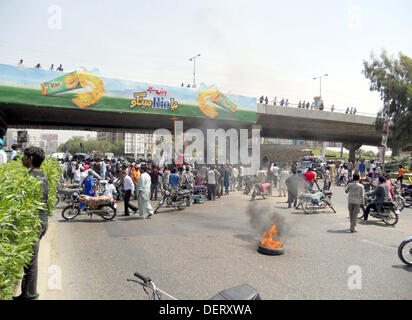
<point x="139" y="144"/>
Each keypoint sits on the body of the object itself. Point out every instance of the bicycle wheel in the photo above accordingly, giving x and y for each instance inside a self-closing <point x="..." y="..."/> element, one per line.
<point x="57" y="200"/>
<point x="108" y="212"/>
<point x="405" y="252"/>
<point x="392" y="218"/>
<point x="70" y="212"/>
<point x="308" y="207"/>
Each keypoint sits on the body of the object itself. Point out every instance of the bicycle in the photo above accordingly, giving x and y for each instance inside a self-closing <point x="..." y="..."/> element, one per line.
<point x="241" y="292"/>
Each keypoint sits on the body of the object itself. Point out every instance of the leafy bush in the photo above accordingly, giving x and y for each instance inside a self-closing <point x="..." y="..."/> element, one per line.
<point x="20" y="202"/>
<point x="52" y="170"/>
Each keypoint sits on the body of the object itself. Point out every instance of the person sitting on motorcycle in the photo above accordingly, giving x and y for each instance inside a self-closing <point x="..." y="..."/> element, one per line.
<point x="89" y="187"/>
<point x="110" y="189"/>
<point x="380" y="193"/>
<point x="343" y="173"/>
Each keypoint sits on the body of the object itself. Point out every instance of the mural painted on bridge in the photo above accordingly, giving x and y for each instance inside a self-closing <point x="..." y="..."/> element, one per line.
<point x="81" y="89"/>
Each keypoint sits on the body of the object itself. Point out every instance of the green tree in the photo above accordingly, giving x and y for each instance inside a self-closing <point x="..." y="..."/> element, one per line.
<point x="392" y="78"/>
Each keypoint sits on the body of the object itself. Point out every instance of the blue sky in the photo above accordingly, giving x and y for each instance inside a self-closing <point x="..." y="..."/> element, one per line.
<point x="254" y="48"/>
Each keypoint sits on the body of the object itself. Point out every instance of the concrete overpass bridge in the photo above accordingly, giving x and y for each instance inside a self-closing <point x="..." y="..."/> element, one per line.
<point x="274" y="121"/>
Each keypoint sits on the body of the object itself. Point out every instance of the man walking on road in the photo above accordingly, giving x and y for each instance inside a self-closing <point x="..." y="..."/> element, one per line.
<point x="143" y="196"/>
<point x="128" y="189"/>
<point x="355" y="200"/>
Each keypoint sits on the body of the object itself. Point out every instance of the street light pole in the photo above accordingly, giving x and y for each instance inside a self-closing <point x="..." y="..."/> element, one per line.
<point x="320" y="83"/>
<point x="194" y="68"/>
<point x="323" y="150"/>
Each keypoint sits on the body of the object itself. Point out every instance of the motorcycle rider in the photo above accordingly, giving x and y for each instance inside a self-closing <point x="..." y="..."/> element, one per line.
<point x="380" y="193"/>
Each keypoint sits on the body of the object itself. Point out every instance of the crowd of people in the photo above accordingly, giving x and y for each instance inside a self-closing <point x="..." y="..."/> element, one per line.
<point x="303" y="105"/>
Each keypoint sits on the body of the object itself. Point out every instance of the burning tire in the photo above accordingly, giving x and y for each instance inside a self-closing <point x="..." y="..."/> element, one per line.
<point x="271" y="251"/>
<point x="269" y="244"/>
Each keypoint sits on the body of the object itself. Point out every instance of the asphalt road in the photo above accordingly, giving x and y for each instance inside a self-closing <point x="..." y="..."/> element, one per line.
<point x="197" y="252"/>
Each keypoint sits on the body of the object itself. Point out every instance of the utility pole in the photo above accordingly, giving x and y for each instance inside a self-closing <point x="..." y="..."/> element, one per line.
<point x="194" y="69"/>
<point x="323" y="150"/>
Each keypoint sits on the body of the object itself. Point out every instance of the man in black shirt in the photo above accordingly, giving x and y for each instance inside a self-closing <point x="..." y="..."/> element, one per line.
<point x="32" y="159"/>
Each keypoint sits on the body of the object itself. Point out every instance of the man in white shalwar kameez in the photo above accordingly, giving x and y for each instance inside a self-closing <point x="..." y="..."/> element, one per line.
<point x="143" y="196"/>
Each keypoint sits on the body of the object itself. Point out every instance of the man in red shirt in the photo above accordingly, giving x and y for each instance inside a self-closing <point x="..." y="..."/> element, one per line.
<point x="310" y="177"/>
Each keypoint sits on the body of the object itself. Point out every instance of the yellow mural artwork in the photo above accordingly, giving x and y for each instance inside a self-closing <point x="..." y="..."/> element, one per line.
<point x="215" y="97"/>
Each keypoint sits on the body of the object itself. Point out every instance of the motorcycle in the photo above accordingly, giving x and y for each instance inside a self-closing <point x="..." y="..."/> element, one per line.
<point x="248" y="181"/>
<point x="398" y="198"/>
<point x="64" y="192"/>
<point x="406" y="193"/>
<point x="343" y="180"/>
<point x="173" y="198"/>
<point x="405" y="251"/>
<point x="315" y="200"/>
<point x="105" y="207"/>
<point x="389" y="212"/>
<point x="260" y="189"/>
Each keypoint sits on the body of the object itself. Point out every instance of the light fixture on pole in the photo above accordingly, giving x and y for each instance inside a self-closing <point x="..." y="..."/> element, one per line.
<point x="320" y="83"/>
<point x="194" y="68"/>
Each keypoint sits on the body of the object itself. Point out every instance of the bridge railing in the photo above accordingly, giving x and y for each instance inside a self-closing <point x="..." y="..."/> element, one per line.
<point x="326" y="109"/>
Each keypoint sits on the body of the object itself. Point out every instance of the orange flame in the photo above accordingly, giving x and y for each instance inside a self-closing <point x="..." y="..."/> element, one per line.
<point x="268" y="239"/>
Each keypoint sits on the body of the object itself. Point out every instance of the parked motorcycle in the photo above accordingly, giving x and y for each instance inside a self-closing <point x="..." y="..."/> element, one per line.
<point x="405" y="251"/>
<point x="64" y="192"/>
<point x="406" y="193"/>
<point x="248" y="182"/>
<point x="173" y="198"/>
<point x="389" y="212"/>
<point x="260" y="189"/>
<point x="105" y="207"/>
<point x="315" y="200"/>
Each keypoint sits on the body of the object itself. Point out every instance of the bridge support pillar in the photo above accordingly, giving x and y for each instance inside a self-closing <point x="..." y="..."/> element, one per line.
<point x="352" y="147"/>
<point x="3" y="125"/>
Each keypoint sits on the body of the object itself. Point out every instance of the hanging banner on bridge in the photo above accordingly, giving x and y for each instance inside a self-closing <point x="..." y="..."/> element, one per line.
<point x="81" y="89"/>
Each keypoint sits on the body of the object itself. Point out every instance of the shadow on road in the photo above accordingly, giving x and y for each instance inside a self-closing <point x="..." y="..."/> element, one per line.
<point x="339" y="231"/>
<point x="86" y="220"/>
<point x="404" y="267"/>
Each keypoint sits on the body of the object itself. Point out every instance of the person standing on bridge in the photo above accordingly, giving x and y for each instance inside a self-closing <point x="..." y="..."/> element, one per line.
<point x="266" y="100"/>
<point x="274" y="101"/>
